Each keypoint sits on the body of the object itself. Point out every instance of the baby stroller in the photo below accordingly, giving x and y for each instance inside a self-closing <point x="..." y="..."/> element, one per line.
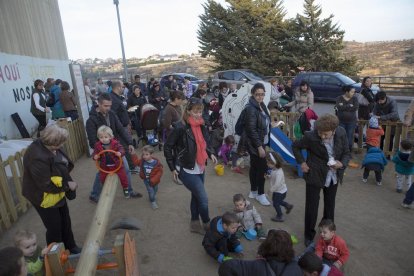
<point x="149" y="121"/>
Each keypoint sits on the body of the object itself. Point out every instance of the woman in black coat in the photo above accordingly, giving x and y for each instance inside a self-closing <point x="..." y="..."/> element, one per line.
<point x="328" y="156"/>
<point x="43" y="163"/>
<point x="256" y="137"/>
<point x="275" y="257"/>
<point x="366" y="105"/>
<point x="186" y="151"/>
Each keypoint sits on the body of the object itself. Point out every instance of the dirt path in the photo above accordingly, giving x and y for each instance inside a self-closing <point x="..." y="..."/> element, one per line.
<point x="379" y="233"/>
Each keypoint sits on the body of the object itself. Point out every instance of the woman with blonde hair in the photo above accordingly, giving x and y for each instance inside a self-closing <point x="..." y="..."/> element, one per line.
<point x="46" y="172"/>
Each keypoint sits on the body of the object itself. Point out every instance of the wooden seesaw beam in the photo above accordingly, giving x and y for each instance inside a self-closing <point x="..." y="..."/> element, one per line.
<point x="89" y="255"/>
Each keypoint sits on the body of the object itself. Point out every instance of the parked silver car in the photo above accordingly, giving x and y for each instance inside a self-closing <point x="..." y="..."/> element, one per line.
<point x="237" y="76"/>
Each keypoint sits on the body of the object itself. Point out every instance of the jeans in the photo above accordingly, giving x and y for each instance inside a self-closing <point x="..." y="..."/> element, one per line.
<point x="278" y="200"/>
<point x="350" y="130"/>
<point x="97" y="185"/>
<point x="401" y="179"/>
<point x="409" y="196"/>
<point x="258" y="168"/>
<point x="199" y="201"/>
<point x="152" y="190"/>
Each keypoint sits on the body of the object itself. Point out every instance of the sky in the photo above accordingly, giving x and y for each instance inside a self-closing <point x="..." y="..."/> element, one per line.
<point x="170" y="26"/>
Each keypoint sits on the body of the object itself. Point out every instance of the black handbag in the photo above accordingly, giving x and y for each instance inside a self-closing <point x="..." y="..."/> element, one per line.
<point x="71" y="195"/>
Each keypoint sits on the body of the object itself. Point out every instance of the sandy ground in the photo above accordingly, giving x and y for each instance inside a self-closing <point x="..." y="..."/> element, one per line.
<point x="378" y="231"/>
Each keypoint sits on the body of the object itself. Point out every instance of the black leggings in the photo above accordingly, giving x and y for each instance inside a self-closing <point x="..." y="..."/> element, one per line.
<point x="58" y="225"/>
<point x="42" y="123"/>
<point x="258" y="167"/>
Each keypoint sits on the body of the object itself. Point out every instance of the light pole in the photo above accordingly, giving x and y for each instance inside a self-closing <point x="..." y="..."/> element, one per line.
<point x="116" y="2"/>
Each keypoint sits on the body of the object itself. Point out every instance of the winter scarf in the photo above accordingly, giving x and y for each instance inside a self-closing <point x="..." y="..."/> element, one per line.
<point x="201" y="156"/>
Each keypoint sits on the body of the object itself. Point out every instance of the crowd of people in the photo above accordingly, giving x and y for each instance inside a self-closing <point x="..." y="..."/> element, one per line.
<point x="189" y="128"/>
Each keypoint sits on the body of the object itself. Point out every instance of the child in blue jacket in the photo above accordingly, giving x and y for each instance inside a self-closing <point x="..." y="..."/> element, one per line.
<point x="403" y="167"/>
<point x="374" y="160"/>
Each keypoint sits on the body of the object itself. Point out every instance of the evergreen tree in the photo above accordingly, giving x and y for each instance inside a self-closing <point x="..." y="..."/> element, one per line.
<point x="318" y="42"/>
<point x="255" y="35"/>
<point x="246" y="34"/>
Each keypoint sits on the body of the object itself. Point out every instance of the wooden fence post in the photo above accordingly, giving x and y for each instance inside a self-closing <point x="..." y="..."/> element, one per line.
<point x="5" y="189"/>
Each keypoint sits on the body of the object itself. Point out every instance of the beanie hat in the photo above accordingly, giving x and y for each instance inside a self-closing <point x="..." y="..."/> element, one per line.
<point x="373" y="122"/>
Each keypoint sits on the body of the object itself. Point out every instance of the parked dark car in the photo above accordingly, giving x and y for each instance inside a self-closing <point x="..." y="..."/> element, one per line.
<point x="237" y="76"/>
<point x="327" y="86"/>
<point x="179" y="77"/>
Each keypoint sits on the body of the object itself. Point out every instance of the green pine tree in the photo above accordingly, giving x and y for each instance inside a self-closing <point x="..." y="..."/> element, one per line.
<point x="319" y="42"/>
<point x="245" y="34"/>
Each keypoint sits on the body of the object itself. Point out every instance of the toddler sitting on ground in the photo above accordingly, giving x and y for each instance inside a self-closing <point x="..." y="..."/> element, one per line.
<point x="331" y="247"/>
<point x="248" y="216"/>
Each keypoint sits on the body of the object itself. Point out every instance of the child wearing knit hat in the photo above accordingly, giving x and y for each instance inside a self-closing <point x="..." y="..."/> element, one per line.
<point x="374" y="133"/>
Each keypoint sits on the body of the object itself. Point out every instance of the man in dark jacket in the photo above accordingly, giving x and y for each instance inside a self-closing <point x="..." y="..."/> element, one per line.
<point x="328" y="156"/>
<point x="119" y="103"/>
<point x="386" y="109"/>
<point x="103" y="115"/>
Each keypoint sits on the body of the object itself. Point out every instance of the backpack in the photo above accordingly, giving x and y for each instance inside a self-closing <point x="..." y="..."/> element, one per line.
<point x="239" y="127"/>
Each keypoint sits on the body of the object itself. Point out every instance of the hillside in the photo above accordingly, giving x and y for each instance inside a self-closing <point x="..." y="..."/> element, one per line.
<point x="385" y="58"/>
<point x="389" y="58"/>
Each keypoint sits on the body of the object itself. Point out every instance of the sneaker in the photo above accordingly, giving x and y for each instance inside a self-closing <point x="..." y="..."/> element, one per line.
<point x="308" y="242"/>
<point x="261" y="234"/>
<point x="154" y="205"/>
<point x="253" y="194"/>
<point x="379" y="183"/>
<point x="126" y="193"/>
<point x="289" y="208"/>
<point x="407" y="206"/>
<point x="263" y="200"/>
<point x="93" y="199"/>
<point x="399" y="190"/>
<point x="135" y="170"/>
<point x="237" y="170"/>
<point x="135" y="194"/>
<point x="364" y="180"/>
<point x="277" y="219"/>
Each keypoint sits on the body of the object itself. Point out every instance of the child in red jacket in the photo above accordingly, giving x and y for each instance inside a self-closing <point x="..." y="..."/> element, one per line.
<point x="150" y="171"/>
<point x="110" y="161"/>
<point x="330" y="247"/>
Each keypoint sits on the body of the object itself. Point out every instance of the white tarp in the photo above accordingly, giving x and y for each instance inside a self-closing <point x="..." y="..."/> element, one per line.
<point x="17" y="74"/>
<point x="234" y="104"/>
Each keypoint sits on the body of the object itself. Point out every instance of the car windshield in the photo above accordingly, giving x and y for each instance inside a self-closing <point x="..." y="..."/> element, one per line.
<point x="192" y="78"/>
<point x="346" y="80"/>
<point x="253" y="75"/>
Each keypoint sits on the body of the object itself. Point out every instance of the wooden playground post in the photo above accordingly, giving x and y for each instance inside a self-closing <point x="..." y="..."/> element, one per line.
<point x="56" y="268"/>
<point x="89" y="256"/>
<point x="120" y="254"/>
